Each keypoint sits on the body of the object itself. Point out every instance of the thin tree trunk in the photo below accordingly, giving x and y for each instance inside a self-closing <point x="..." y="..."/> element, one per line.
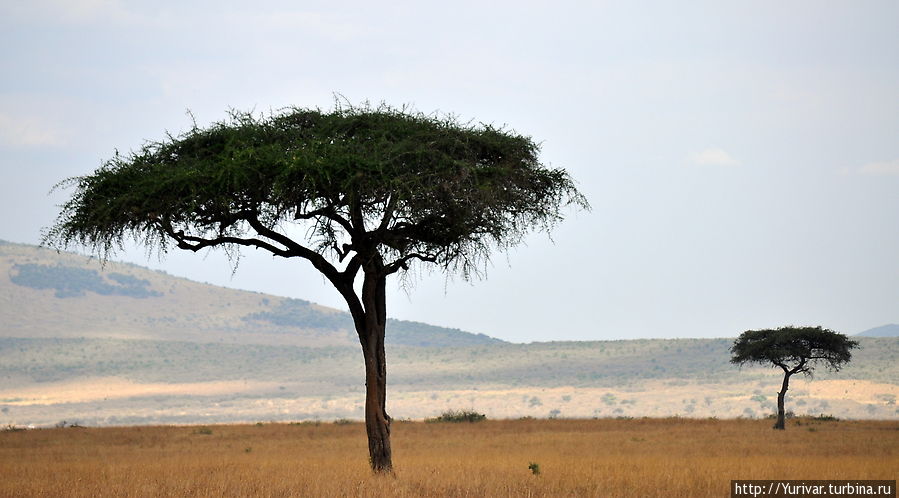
<point x="781" y="424"/>
<point x="377" y="422"/>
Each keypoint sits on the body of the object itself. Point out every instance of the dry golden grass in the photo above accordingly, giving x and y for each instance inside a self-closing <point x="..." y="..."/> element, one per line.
<point x="640" y="457"/>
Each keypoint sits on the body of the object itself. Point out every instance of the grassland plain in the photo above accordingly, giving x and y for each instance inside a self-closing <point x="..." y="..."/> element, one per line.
<point x="670" y="457"/>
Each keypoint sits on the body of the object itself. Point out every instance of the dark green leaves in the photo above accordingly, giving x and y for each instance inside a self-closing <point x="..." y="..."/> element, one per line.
<point x="360" y="181"/>
<point x="793" y="348"/>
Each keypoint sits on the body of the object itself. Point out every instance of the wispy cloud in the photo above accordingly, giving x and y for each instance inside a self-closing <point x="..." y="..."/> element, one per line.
<point x="27" y="132"/>
<point x="881" y="168"/>
<point x="713" y="157"/>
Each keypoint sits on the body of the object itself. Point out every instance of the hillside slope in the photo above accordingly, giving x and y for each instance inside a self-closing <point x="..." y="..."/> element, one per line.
<point x="891" y="330"/>
<point x="50" y="294"/>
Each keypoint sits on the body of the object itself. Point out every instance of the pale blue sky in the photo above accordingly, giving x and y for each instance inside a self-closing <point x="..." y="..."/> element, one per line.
<point x="742" y="158"/>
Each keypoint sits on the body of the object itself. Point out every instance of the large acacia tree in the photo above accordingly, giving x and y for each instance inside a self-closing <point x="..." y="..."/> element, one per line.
<point x="793" y="350"/>
<point x="361" y="193"/>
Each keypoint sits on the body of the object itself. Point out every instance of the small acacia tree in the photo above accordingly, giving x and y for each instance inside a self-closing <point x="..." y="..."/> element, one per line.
<point x="793" y="350"/>
<point x="361" y="193"/>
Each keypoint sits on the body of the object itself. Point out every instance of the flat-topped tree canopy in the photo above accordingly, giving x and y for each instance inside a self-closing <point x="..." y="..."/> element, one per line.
<point x="409" y="185"/>
<point x="793" y="348"/>
<point x="371" y="190"/>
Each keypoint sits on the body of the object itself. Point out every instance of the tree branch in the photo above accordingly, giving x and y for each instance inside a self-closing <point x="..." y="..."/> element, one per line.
<point x="403" y="263"/>
<point x="317" y="260"/>
<point x="192" y="243"/>
<point x="327" y="212"/>
<point x="352" y="268"/>
<point x="388" y="214"/>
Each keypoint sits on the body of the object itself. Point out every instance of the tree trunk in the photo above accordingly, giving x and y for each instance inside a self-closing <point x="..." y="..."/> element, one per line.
<point x="371" y="337"/>
<point x="780" y="424"/>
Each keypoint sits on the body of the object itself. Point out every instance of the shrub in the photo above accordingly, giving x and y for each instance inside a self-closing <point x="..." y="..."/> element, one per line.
<point x="458" y="416"/>
<point x="825" y="418"/>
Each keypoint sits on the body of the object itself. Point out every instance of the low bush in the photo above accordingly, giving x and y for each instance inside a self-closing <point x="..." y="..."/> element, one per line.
<point x="825" y="418"/>
<point x="458" y="416"/>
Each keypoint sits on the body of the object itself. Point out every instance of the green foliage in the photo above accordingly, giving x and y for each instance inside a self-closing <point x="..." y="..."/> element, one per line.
<point x="534" y="467"/>
<point x="70" y="281"/>
<point x="455" y="416"/>
<point x="409" y="186"/>
<point x="204" y="431"/>
<point x="793" y="349"/>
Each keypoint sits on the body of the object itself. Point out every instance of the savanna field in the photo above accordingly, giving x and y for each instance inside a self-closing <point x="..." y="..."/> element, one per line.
<point x="600" y="457"/>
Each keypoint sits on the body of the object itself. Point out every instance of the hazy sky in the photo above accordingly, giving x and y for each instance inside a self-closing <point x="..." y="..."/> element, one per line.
<point x="742" y="158"/>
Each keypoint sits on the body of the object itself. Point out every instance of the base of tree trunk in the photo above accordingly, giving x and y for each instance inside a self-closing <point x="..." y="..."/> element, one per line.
<point x="379" y="455"/>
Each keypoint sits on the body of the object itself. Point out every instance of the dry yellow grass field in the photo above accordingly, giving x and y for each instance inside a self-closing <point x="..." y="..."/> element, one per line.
<point x="605" y="457"/>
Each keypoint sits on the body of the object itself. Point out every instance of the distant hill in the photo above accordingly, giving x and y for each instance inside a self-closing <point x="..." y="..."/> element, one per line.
<point x="891" y="330"/>
<point x="50" y="294"/>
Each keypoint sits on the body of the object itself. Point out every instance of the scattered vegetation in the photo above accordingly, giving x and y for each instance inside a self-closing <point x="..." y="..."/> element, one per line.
<point x="71" y="281"/>
<point x="64" y="423"/>
<point x="303" y="314"/>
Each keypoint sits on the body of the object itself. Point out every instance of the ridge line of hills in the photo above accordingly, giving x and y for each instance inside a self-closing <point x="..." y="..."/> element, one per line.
<point x="75" y="286"/>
